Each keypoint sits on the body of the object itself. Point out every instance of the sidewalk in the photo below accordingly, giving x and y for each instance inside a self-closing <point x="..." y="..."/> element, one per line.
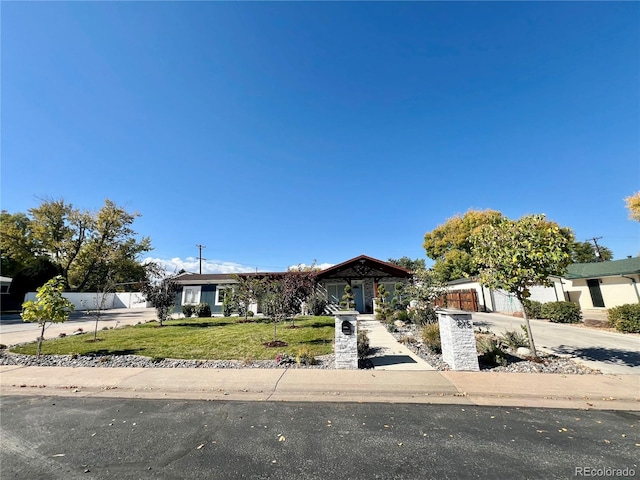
<point x="388" y="354"/>
<point x="602" y="392"/>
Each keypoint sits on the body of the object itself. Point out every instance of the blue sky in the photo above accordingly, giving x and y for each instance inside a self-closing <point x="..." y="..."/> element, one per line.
<point x="277" y="133"/>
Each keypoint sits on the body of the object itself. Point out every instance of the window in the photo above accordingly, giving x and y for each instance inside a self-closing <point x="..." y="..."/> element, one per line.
<point x="191" y="295"/>
<point x="220" y="293"/>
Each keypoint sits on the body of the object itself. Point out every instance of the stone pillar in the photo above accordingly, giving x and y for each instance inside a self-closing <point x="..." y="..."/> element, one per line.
<point x="458" y="341"/>
<point x="346" y="344"/>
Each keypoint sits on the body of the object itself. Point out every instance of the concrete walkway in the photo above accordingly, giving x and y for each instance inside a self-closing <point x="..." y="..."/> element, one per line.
<point x="387" y="353"/>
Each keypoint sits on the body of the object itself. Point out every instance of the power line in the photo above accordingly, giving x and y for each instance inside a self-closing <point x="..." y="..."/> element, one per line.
<point x="200" y="247"/>
<point x="597" y="247"/>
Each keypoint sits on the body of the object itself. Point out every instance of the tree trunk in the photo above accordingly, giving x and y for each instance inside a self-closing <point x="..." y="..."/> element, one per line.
<point x="532" y="345"/>
<point x="40" y="340"/>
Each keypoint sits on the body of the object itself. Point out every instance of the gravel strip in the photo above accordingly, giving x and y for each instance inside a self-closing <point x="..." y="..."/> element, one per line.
<point x="547" y="363"/>
<point x="135" y="361"/>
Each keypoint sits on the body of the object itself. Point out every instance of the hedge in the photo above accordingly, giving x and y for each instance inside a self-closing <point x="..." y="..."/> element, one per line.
<point x="625" y="318"/>
<point x="562" y="312"/>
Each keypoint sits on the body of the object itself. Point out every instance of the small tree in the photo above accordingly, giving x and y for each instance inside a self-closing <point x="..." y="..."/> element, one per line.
<point x="383" y="311"/>
<point x="100" y="303"/>
<point x="160" y="290"/>
<point x="425" y="287"/>
<point x="285" y="293"/>
<point x="229" y="301"/>
<point x="516" y="255"/>
<point x="50" y="306"/>
<point x="248" y="290"/>
<point x="348" y="300"/>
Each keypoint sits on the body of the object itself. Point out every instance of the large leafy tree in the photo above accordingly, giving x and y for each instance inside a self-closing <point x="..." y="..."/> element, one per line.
<point x="633" y="205"/>
<point x="49" y="306"/>
<point x="409" y="264"/>
<point x="516" y="255"/>
<point x="85" y="247"/>
<point x="585" y="252"/>
<point x="450" y="246"/>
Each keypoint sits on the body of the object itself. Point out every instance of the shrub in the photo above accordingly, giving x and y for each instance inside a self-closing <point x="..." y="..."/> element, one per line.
<point x="562" y="312"/>
<point x="431" y="337"/>
<point x="423" y="315"/>
<point x="284" y="359"/>
<point x="532" y="308"/>
<point x="402" y="315"/>
<point x="489" y="351"/>
<point x="317" y="305"/>
<point x="305" y="357"/>
<point x="202" y="310"/>
<point x="514" y="339"/>
<point x="363" y="344"/>
<point x="188" y="310"/>
<point x="625" y="318"/>
<point x="250" y="313"/>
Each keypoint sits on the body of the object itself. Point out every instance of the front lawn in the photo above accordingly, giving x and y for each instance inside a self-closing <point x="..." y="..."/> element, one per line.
<point x="198" y="338"/>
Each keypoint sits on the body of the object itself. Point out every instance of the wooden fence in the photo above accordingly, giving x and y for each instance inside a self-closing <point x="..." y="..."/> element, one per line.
<point x="466" y="300"/>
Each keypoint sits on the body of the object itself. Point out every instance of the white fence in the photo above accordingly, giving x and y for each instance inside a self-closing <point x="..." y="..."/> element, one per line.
<point x="91" y="300"/>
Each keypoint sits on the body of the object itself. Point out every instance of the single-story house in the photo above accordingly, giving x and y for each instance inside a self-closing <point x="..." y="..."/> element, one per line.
<point x="364" y="274"/>
<point x="603" y="284"/>
<point x="598" y="285"/>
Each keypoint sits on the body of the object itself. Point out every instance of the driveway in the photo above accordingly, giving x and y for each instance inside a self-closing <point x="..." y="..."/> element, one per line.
<point x="609" y="352"/>
<point x="13" y="330"/>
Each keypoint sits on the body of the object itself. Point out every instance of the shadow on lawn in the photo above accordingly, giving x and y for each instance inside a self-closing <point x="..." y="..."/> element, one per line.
<point x="105" y="353"/>
<point x="319" y="325"/>
<point x="317" y="341"/>
<point x="200" y="324"/>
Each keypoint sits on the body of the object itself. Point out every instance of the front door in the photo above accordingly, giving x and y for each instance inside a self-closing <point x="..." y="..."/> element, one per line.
<point x="596" y="293"/>
<point x="358" y="295"/>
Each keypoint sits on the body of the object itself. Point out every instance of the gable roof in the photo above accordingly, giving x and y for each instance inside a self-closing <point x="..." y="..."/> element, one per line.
<point x="358" y="267"/>
<point x="363" y="266"/>
<point x="604" y="269"/>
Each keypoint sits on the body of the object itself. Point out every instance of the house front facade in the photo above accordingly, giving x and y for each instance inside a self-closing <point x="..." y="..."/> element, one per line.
<point x="363" y="274"/>
<point x="603" y="285"/>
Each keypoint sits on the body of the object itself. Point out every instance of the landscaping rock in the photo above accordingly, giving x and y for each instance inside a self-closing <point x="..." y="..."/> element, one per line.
<point x="516" y="363"/>
<point x="523" y="352"/>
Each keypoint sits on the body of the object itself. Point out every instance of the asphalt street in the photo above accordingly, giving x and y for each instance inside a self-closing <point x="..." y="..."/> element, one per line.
<point x="69" y="438"/>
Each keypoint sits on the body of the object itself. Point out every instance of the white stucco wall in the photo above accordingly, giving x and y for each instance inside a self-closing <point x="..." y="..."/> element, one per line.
<point x="616" y="291"/>
<point x="89" y="300"/>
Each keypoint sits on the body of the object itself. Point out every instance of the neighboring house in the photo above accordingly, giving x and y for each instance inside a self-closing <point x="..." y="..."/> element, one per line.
<point x="603" y="284"/>
<point x="590" y="285"/>
<point x="498" y="300"/>
<point x="364" y="275"/>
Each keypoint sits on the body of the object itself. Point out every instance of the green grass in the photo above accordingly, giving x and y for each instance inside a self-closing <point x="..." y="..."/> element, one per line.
<point x="198" y="338"/>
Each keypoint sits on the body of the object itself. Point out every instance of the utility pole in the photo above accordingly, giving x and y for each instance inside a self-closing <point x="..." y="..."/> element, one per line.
<point x="595" y="243"/>
<point x="200" y="247"/>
